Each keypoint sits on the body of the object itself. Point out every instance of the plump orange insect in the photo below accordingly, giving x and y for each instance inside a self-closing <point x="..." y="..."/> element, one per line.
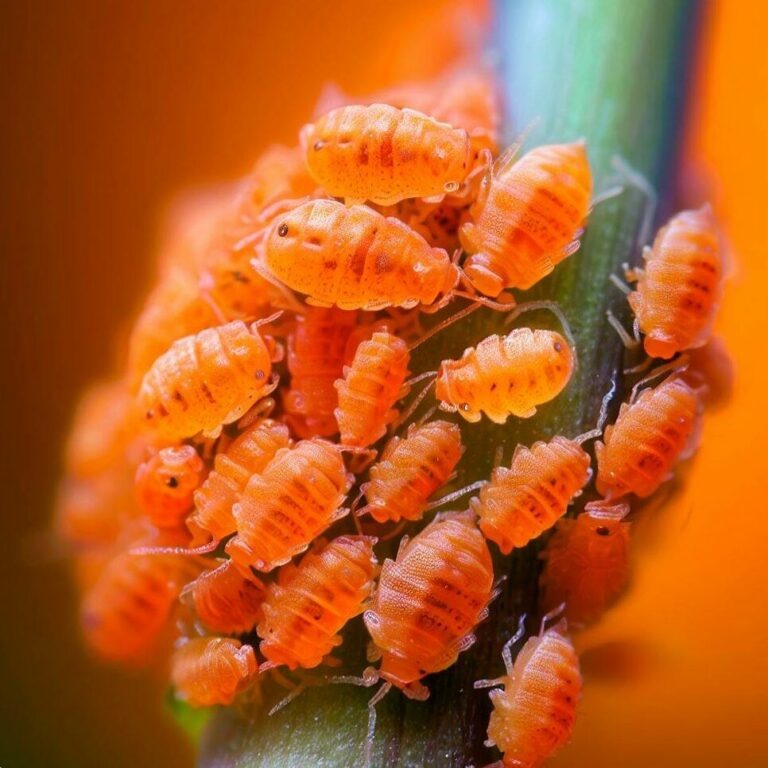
<point x="312" y="601"/>
<point x="244" y="457"/>
<point x="370" y="387"/>
<point x="527" y="217"/>
<point x="410" y="470"/>
<point x="506" y="375"/>
<point x="206" y="671"/>
<point x="316" y="351"/>
<point x="587" y="562"/>
<point x="355" y="258"/>
<point x="649" y="436"/>
<point x="384" y="154"/>
<point x="290" y="503"/>
<point x="429" y="600"/>
<point x="679" y="288"/>
<point x="520" y="503"/>
<point x="205" y="381"/>
<point x="535" y="710"/>
<point x="165" y="484"/>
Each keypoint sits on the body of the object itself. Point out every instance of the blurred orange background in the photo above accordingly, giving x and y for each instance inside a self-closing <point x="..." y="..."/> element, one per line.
<point x="110" y="108"/>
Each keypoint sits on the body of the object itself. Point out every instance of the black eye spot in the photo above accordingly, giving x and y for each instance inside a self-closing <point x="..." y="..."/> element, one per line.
<point x="283" y="231"/>
<point x="319" y="144"/>
<point x="558" y="346"/>
<point x="173" y="482"/>
<point x="602" y="531"/>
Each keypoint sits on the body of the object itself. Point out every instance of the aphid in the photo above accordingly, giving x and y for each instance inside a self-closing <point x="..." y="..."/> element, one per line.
<point x="165" y="484"/>
<point x="316" y="352"/>
<point x="535" y="710"/>
<point x="410" y="470"/>
<point x="429" y="600"/>
<point x="679" y="288"/>
<point x="384" y="154"/>
<point x="587" y="562"/>
<point x="520" y="503"/>
<point x="649" y="436"/>
<point x="506" y="375"/>
<point x="312" y="600"/>
<point x="125" y="612"/>
<point x="206" y="671"/>
<point x="207" y="380"/>
<point x="355" y="258"/>
<point x="289" y="504"/>
<point x="527" y="217"/>
<point x="225" y="601"/>
<point x="371" y="385"/>
<point x="243" y="458"/>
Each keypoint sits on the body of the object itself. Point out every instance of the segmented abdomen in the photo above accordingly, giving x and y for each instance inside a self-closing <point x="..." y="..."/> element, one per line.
<point x="312" y="600"/>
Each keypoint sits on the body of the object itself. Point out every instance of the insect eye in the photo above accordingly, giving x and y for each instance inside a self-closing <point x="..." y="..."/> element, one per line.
<point x="283" y="230"/>
<point x="602" y="531"/>
<point x="558" y="346"/>
<point x="318" y="145"/>
<point x="464" y="407"/>
<point x="172" y="482"/>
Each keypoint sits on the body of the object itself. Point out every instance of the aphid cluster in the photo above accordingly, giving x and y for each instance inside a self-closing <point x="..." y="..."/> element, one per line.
<point x="222" y="494"/>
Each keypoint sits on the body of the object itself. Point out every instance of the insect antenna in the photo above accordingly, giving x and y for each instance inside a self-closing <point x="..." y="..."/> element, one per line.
<point x="680" y="363"/>
<point x="456" y="494"/>
<point x="411" y="409"/>
<point x="205" y="549"/>
<point x="601" y="419"/>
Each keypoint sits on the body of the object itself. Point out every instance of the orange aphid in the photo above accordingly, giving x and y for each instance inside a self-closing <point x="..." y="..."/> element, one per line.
<point x="225" y="601"/>
<point x="679" y="288"/>
<point x="410" y="470"/>
<point x="535" y="710"/>
<point x="316" y="351"/>
<point x="165" y="484"/>
<point x="355" y="258"/>
<point x="587" y="562"/>
<point x="312" y="601"/>
<point x="506" y="375"/>
<point x="370" y="387"/>
<point x="125" y="612"/>
<point x="290" y="503"/>
<point x="520" y="503"/>
<point x="205" y="381"/>
<point x="206" y="671"/>
<point x="429" y="600"/>
<point x="527" y="217"/>
<point x="244" y="457"/>
<point x="384" y="154"/>
<point x="649" y="436"/>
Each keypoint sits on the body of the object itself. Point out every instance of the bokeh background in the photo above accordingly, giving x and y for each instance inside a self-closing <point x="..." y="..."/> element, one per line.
<point x="109" y="108"/>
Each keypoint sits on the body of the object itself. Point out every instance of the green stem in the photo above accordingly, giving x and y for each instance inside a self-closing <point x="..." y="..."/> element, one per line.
<point x="612" y="72"/>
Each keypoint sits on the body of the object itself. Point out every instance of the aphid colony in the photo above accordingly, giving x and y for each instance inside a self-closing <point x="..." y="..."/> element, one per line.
<point x="209" y="489"/>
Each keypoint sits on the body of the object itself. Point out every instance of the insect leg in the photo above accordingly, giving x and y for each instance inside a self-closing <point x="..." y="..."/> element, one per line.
<point x="375" y="699"/>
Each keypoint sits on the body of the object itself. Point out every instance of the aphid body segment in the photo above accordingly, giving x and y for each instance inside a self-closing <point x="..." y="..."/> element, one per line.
<point x="527" y="217"/>
<point x="429" y="600"/>
<point x="311" y="601"/>
<point x="289" y="504"/>
<point x="410" y="470"/>
<point x="206" y="671"/>
<point x="587" y="562"/>
<point x="355" y="258"/>
<point x="523" y="501"/>
<point x="384" y="154"/>
<point x="679" y="288"/>
<point x="648" y="438"/>
<point x="506" y="375"/>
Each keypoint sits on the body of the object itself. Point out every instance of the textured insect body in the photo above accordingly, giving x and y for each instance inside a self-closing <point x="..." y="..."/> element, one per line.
<point x="679" y="288"/>
<point x="527" y="217"/>
<point x="246" y="456"/>
<point x="534" y="712"/>
<point x="384" y="154"/>
<point x="506" y="375"/>
<point x="165" y="484"/>
<point x="410" y="470"/>
<point x="206" y="671"/>
<point x="316" y="352"/>
<point x="429" y="600"/>
<point x="371" y="386"/>
<point x="649" y="436"/>
<point x="312" y="601"/>
<point x="289" y="504"/>
<point x="587" y="562"/>
<point x="523" y="501"/>
<point x="205" y="381"/>
<point x="225" y="601"/>
<point x="355" y="258"/>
